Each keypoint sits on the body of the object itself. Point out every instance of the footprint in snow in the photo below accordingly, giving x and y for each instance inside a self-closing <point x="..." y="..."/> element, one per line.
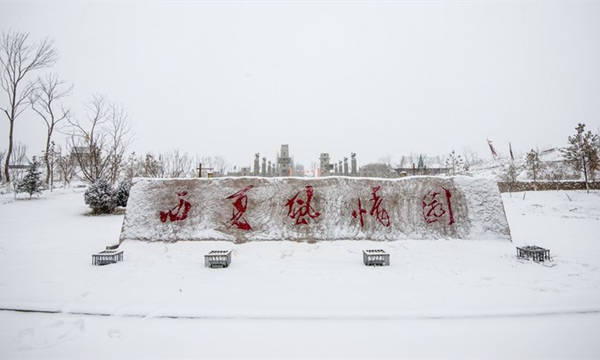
<point x="114" y="333"/>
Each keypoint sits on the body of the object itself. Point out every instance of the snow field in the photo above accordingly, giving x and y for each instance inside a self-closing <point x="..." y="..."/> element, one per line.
<point x="444" y="298"/>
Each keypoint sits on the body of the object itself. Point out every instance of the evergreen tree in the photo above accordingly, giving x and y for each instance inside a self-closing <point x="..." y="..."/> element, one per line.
<point x="32" y="182"/>
<point x="582" y="153"/>
<point x="421" y="163"/>
<point x="509" y="175"/>
<point x="122" y="193"/>
<point x="100" y="197"/>
<point x="455" y="163"/>
<point x="534" y="164"/>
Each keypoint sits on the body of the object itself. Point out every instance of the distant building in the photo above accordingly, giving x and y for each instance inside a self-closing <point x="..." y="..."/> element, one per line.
<point x="324" y="166"/>
<point x="284" y="162"/>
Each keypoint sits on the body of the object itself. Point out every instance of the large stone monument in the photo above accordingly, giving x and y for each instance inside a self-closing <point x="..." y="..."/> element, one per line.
<point x="331" y="208"/>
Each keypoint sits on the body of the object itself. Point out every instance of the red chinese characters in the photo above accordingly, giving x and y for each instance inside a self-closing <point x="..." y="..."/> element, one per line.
<point x="239" y="208"/>
<point x="436" y="205"/>
<point x="179" y="212"/>
<point x="301" y="210"/>
<point x="377" y="210"/>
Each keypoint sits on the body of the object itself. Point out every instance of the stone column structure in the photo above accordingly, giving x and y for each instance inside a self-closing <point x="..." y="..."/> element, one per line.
<point x="256" y="170"/>
<point x="345" y="166"/>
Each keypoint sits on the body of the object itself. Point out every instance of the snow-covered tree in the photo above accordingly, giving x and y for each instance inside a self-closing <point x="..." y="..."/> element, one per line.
<point x="509" y="174"/>
<point x="582" y="153"/>
<point x="534" y="164"/>
<point x="455" y="164"/>
<point x="100" y="197"/>
<point x="122" y="193"/>
<point x="32" y="181"/>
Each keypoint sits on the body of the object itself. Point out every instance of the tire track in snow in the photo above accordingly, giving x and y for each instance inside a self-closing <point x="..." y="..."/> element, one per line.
<point x="313" y="317"/>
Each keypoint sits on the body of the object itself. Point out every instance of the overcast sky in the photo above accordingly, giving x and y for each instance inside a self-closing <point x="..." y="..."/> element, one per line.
<point x="376" y="78"/>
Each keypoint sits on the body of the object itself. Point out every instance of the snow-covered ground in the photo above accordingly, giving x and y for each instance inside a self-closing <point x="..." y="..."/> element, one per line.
<point x="444" y="298"/>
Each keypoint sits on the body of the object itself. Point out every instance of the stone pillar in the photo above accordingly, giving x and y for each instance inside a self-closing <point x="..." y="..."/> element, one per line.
<point x="324" y="164"/>
<point x="354" y="171"/>
<point x="256" y="164"/>
<point x="264" y="167"/>
<point x="340" y="167"/>
<point x="345" y="166"/>
<point x="270" y="168"/>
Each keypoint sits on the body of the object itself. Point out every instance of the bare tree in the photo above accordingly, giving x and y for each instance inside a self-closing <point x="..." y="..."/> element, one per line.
<point x="132" y="166"/>
<point x="534" y="165"/>
<point x="100" y="141"/>
<point x="176" y="164"/>
<point x="66" y="165"/>
<point x="47" y="92"/>
<point x="119" y="138"/>
<point x="152" y="166"/>
<point x="509" y="175"/>
<point x="17" y="59"/>
<point x="2" y="155"/>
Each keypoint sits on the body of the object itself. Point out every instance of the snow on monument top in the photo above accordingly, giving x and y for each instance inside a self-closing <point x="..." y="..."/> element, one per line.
<point x="310" y="209"/>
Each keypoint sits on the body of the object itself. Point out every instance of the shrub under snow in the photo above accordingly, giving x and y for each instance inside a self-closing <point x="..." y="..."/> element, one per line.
<point x="122" y="193"/>
<point x="100" y="197"/>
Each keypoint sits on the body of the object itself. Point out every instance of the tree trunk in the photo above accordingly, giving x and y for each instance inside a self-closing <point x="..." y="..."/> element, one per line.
<point x="587" y="187"/>
<point x="46" y="156"/>
<point x="9" y="151"/>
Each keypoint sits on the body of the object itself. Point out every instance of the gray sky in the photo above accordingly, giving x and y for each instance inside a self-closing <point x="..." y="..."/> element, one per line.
<point x="377" y="78"/>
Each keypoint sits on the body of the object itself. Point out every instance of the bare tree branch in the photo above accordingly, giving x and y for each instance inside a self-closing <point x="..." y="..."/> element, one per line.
<point x="17" y="59"/>
<point x="43" y="98"/>
<point x="99" y="143"/>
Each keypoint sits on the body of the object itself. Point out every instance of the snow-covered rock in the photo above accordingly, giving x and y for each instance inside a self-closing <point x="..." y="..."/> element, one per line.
<point x="254" y="208"/>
